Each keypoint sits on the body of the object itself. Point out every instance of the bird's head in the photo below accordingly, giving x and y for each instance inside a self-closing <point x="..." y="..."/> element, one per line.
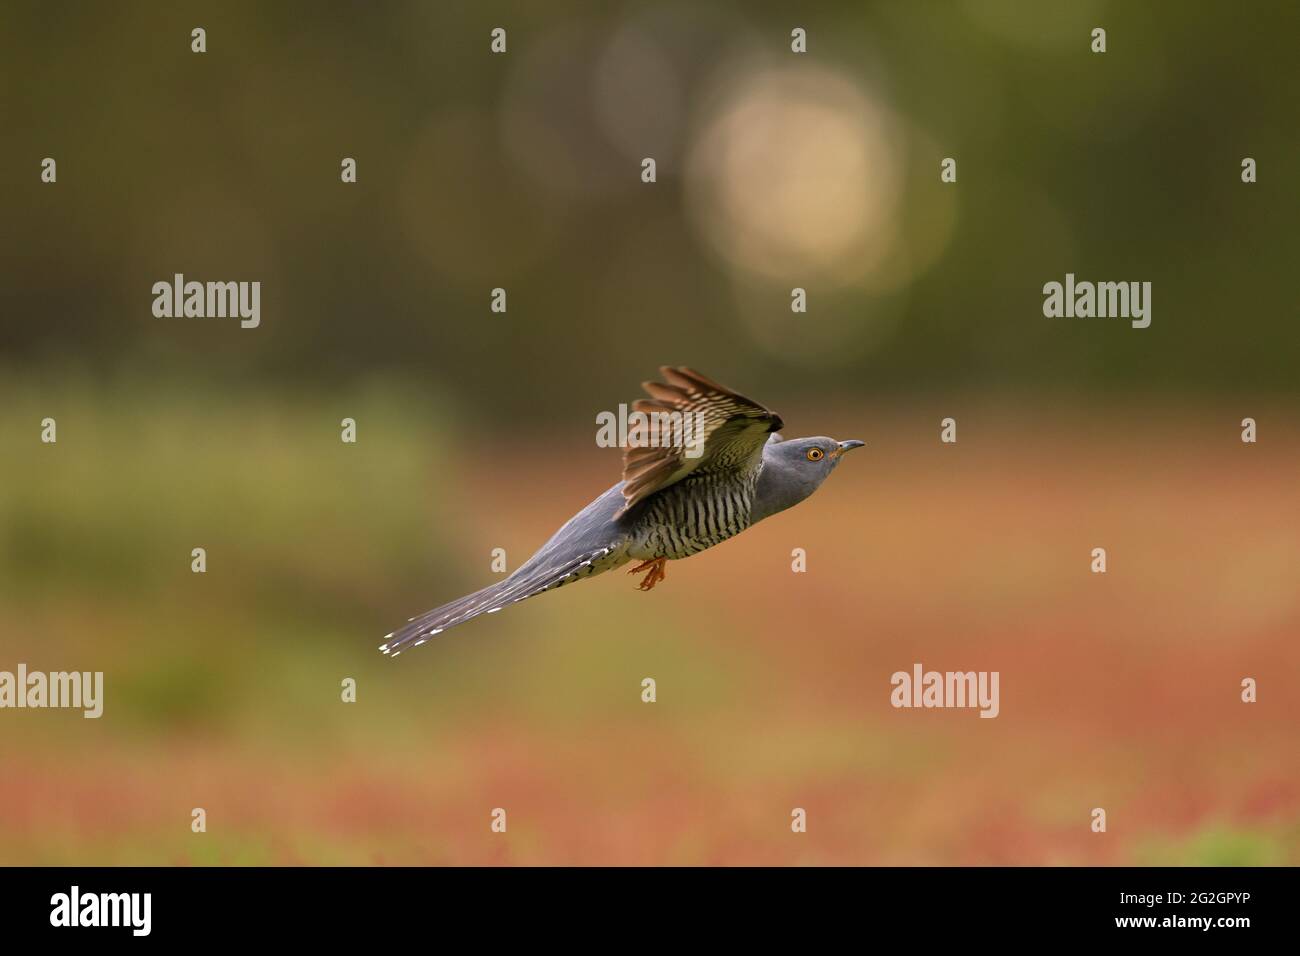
<point x="794" y="469"/>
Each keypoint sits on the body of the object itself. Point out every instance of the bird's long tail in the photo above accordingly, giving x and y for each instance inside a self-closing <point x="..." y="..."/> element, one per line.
<point x="529" y="580"/>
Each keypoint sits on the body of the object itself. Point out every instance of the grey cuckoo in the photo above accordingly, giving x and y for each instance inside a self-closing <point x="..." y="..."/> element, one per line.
<point x="684" y="489"/>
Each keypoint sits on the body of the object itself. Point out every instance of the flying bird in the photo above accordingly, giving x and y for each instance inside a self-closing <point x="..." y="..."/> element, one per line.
<point x="676" y="499"/>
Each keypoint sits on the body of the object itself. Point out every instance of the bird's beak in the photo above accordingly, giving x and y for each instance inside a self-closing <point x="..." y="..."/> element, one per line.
<point x="846" y="445"/>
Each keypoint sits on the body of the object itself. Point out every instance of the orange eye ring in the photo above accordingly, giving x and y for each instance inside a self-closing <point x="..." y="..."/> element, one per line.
<point x="815" y="454"/>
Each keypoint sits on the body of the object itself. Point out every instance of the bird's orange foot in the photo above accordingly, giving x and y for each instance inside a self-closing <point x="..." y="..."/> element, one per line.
<point x="655" y="575"/>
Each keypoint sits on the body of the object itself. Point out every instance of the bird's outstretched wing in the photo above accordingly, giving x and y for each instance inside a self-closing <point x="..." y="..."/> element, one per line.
<point x="694" y="425"/>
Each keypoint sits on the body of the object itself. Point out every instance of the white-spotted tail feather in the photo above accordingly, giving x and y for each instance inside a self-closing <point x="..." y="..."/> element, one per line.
<point x="530" y="580"/>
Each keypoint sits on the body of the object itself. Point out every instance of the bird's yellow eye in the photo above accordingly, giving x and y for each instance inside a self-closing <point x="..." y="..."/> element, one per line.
<point x="815" y="454"/>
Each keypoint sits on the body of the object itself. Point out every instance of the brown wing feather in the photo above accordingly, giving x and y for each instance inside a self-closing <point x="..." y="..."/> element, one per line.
<point x="734" y="429"/>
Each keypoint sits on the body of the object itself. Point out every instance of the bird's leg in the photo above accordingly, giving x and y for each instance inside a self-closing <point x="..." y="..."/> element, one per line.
<point x="656" y="573"/>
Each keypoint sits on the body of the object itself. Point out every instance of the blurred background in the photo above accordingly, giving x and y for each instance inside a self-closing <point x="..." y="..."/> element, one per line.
<point x="476" y="430"/>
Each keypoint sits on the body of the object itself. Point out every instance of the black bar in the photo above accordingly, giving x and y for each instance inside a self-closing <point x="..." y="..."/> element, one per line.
<point x="312" y="905"/>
